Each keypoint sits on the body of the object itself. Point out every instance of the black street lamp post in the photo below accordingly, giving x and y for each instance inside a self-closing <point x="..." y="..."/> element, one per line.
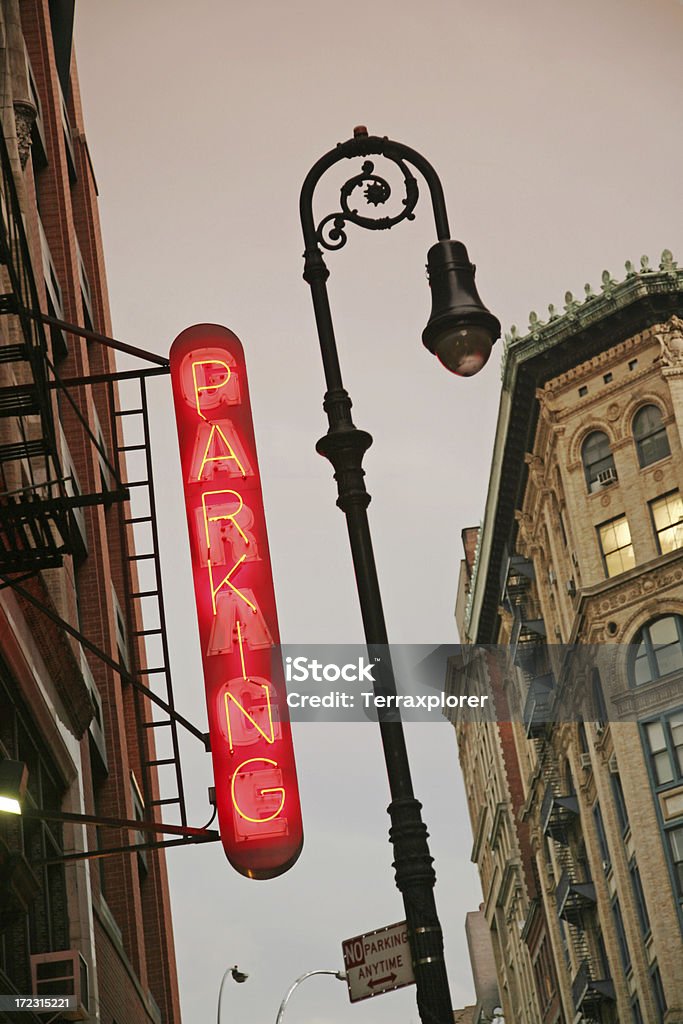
<point x="460" y="332"/>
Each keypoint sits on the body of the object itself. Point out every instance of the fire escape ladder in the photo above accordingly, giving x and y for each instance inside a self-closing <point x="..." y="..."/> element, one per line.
<point x="145" y="604"/>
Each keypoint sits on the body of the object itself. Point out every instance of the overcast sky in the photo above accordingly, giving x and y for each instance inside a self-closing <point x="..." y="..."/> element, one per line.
<point x="555" y="128"/>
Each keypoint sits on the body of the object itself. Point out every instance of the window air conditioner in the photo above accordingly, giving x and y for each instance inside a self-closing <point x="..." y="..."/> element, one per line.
<point x="586" y="761"/>
<point x="607" y="476"/>
<point x="612" y="764"/>
<point x="63" y="973"/>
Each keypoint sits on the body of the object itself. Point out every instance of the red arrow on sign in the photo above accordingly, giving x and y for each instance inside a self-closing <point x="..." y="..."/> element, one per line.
<point x="381" y="981"/>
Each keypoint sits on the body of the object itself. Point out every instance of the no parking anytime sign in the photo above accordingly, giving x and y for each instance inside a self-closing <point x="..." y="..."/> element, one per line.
<point x="378" y="962"/>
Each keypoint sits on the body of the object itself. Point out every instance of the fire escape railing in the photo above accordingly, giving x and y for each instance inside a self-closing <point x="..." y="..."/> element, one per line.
<point x="39" y="503"/>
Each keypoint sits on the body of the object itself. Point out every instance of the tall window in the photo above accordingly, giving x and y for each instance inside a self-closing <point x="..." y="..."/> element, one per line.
<point x="649" y="433"/>
<point x="658" y="989"/>
<point x="597" y="459"/>
<point x="44" y="924"/>
<point x="676" y="846"/>
<point x="621" y="935"/>
<point x="667" y="517"/>
<point x="619" y="802"/>
<point x="665" y="745"/>
<point x="663" y="741"/>
<point x="599" y="706"/>
<point x="544" y="972"/>
<point x="616" y="546"/>
<point x="602" y="838"/>
<point x="658" y="649"/>
<point x="641" y="905"/>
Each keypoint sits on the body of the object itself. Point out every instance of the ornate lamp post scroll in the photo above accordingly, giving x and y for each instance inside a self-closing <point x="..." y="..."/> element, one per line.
<point x="460" y="332"/>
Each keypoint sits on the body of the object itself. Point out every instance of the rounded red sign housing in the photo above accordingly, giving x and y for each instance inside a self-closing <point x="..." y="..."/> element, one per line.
<point x="257" y="796"/>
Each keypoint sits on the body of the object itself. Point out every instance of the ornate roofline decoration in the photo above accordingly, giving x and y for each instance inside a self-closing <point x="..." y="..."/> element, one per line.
<point x="580" y="314"/>
<point x="647" y="296"/>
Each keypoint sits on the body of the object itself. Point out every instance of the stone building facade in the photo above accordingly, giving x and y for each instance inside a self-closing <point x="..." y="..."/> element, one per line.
<point x="572" y="607"/>
<point x="99" y="927"/>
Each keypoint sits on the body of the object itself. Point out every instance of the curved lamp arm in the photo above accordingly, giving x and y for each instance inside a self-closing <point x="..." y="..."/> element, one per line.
<point x="283" y="1005"/>
<point x="363" y="144"/>
<point x="461" y="330"/>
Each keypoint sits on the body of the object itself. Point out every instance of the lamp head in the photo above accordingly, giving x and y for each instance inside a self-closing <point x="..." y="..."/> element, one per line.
<point x="237" y="975"/>
<point x="13" y="781"/>
<point x="461" y="330"/>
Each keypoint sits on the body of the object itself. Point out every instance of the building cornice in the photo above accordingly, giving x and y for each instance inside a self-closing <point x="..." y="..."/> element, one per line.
<point x="646" y="297"/>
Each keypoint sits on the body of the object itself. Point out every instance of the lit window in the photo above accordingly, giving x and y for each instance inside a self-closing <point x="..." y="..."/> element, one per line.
<point x="667" y="516"/>
<point x="598" y="461"/>
<point x="659" y="649"/>
<point x="649" y="432"/>
<point x="616" y="546"/>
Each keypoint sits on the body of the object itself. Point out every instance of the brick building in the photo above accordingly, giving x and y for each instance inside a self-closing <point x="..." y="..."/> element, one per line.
<point x="73" y="708"/>
<point x="573" y="605"/>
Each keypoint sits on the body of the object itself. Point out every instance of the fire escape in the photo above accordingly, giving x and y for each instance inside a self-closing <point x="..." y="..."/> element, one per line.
<point x="575" y="898"/>
<point x="42" y="507"/>
<point x="528" y="648"/>
<point x="575" y="895"/>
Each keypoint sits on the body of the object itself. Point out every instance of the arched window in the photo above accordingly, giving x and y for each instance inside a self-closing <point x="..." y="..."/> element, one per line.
<point x="597" y="460"/>
<point x="657" y="649"/>
<point x="649" y="433"/>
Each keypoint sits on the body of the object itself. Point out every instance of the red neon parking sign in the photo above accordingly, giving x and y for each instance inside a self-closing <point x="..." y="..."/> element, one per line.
<point x="257" y="797"/>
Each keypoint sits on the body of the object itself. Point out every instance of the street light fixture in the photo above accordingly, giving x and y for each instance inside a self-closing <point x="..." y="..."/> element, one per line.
<point x="237" y="975"/>
<point x="461" y="333"/>
<point x="13" y="781"/>
<point x="309" y="974"/>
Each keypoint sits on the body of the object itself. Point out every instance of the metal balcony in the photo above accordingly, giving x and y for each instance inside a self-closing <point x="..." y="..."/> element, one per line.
<point x="516" y="578"/>
<point x="557" y="814"/>
<point x="590" y="993"/>
<point x="528" y="639"/>
<point x="572" y="898"/>
<point x="538" y="709"/>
